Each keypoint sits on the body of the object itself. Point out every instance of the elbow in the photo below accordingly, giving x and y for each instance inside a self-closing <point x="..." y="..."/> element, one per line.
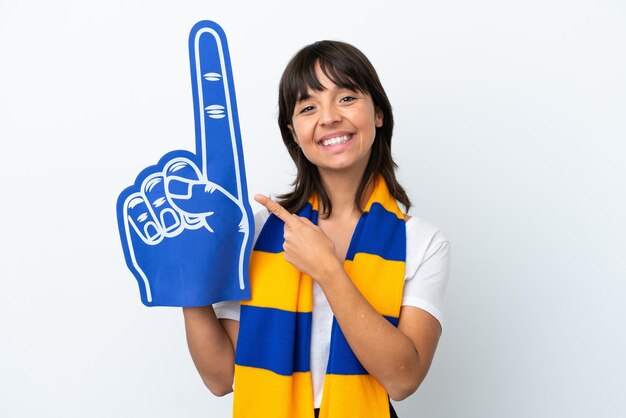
<point x="218" y="389"/>
<point x="219" y="392"/>
<point x="218" y="381"/>
<point x="405" y="385"/>
<point x="401" y="392"/>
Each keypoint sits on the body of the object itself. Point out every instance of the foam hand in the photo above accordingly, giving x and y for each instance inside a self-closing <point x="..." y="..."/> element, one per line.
<point x="186" y="224"/>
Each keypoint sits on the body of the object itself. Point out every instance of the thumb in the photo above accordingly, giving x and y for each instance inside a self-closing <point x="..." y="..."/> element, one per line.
<point x="188" y="191"/>
<point x="180" y="176"/>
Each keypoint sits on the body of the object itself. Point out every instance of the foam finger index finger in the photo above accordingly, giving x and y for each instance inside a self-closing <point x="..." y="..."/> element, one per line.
<point x="218" y="138"/>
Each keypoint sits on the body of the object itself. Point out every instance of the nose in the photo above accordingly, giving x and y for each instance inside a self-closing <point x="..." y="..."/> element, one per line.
<point x="329" y="115"/>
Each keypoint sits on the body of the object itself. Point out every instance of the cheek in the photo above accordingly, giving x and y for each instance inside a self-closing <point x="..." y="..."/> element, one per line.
<point x="369" y="125"/>
<point x="302" y="132"/>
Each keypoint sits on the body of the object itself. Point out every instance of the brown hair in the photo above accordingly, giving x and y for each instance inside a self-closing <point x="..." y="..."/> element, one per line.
<point x="347" y="67"/>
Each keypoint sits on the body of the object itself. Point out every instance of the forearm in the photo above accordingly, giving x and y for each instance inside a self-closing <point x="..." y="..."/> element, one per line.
<point x="384" y="351"/>
<point x="388" y="353"/>
<point x="211" y="349"/>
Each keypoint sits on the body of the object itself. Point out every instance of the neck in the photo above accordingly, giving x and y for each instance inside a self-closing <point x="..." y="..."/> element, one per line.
<point x="342" y="190"/>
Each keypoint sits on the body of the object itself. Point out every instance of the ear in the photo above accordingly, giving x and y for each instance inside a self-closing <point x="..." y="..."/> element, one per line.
<point x="293" y="134"/>
<point x="378" y="118"/>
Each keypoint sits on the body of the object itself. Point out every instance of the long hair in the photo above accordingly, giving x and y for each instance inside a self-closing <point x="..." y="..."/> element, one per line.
<point x="349" y="68"/>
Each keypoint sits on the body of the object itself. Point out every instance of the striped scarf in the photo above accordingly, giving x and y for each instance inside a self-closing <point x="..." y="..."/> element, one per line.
<point x="272" y="370"/>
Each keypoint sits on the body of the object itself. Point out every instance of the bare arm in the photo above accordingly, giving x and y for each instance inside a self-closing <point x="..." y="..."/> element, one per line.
<point x="212" y="344"/>
<point x="399" y="358"/>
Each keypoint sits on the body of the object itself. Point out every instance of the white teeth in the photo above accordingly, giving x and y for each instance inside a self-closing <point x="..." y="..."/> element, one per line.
<point x="335" y="141"/>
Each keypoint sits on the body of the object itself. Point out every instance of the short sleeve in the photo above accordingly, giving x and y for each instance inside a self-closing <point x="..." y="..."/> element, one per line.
<point x="230" y="309"/>
<point x="227" y="310"/>
<point x="427" y="267"/>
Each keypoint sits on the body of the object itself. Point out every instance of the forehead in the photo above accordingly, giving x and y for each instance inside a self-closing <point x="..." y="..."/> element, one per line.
<point x="322" y="78"/>
<point x="329" y="87"/>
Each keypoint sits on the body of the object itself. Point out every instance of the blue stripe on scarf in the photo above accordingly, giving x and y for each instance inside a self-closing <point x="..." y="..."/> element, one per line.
<point x="274" y="349"/>
<point x="342" y="360"/>
<point x="369" y="240"/>
<point x="271" y="237"/>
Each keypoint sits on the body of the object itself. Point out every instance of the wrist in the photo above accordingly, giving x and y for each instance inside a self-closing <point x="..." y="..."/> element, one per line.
<point x="329" y="271"/>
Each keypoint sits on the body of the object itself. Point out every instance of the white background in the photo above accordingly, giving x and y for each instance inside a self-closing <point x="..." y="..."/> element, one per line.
<point x="510" y="137"/>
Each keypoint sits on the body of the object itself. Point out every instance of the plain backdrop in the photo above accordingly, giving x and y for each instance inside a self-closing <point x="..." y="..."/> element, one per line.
<point x="510" y="131"/>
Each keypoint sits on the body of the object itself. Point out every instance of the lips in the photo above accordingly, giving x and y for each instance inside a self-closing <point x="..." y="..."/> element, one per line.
<point x="336" y="139"/>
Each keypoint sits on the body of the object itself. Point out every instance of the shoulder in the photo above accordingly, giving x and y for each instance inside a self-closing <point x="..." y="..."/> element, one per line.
<point x="423" y="235"/>
<point x="423" y="241"/>
<point x="427" y="267"/>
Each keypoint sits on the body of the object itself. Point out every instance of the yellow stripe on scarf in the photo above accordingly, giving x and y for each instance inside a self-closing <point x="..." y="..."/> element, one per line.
<point x="272" y="369"/>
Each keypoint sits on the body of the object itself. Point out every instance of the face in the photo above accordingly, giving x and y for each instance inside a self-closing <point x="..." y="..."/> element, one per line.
<point x="335" y="128"/>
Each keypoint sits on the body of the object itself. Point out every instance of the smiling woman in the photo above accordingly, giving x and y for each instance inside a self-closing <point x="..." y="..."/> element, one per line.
<point x="335" y="127"/>
<point x="347" y="71"/>
<point x="346" y="288"/>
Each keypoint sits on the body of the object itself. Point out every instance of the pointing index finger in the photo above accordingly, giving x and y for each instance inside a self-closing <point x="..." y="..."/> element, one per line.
<point x="275" y="208"/>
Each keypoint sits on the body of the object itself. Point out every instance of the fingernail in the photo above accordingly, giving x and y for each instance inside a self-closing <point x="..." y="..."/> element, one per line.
<point x="151" y="231"/>
<point x="179" y="189"/>
<point x="169" y="220"/>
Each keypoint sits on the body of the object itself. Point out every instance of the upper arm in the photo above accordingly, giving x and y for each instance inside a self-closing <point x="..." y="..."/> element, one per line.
<point x="428" y="259"/>
<point x="427" y="267"/>
<point x="232" y="330"/>
<point x="424" y="331"/>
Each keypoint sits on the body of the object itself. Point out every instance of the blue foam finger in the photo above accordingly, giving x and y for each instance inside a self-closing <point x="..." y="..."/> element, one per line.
<point x="186" y="223"/>
<point x="215" y="107"/>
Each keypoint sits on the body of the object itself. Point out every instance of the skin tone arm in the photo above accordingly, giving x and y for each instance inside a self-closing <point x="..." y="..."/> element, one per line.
<point x="212" y="345"/>
<point x="399" y="358"/>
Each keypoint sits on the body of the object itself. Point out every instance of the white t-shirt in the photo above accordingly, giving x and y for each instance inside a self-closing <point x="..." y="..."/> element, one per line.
<point x="427" y="266"/>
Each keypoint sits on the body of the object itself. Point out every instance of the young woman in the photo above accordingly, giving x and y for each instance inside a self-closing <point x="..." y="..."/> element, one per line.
<point x="346" y="289"/>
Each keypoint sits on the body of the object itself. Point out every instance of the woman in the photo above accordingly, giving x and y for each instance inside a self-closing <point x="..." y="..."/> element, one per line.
<point x="346" y="295"/>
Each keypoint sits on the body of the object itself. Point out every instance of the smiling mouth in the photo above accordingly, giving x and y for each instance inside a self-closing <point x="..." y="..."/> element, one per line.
<point x="336" y="141"/>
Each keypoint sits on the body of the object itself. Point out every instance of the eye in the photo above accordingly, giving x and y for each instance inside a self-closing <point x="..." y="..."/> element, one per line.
<point x="306" y="109"/>
<point x="347" y="99"/>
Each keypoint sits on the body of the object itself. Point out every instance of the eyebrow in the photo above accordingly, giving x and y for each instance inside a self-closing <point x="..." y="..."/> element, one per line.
<point x="308" y="95"/>
<point x="302" y="97"/>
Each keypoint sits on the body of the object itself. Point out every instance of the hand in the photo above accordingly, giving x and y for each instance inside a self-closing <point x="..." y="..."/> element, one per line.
<point x="306" y="246"/>
<point x="187" y="238"/>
